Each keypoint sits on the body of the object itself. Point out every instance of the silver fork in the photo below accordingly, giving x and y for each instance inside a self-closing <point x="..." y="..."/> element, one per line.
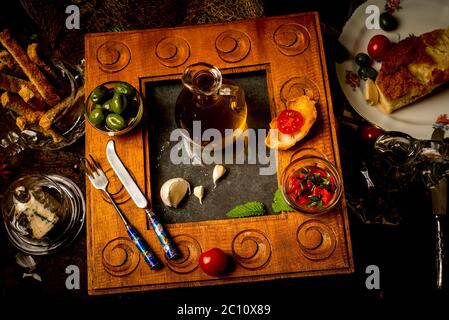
<point x="100" y="181"/>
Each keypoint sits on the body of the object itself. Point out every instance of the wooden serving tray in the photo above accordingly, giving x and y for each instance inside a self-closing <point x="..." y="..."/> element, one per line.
<point x="290" y="50"/>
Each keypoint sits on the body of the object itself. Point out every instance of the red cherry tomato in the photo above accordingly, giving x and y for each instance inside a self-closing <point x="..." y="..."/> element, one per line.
<point x="370" y="132"/>
<point x="213" y="262"/>
<point x="290" y="121"/>
<point x="378" y="46"/>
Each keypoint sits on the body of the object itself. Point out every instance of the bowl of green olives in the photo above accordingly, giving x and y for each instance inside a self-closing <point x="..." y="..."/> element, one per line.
<point x="114" y="108"/>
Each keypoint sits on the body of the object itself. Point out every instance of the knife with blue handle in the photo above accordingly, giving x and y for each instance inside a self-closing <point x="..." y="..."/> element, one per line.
<point x="140" y="200"/>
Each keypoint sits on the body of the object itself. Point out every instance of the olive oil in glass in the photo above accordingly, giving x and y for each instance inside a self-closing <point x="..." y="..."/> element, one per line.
<point x="215" y="102"/>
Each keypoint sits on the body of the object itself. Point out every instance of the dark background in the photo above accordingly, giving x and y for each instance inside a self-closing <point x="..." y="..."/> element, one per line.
<point x="404" y="253"/>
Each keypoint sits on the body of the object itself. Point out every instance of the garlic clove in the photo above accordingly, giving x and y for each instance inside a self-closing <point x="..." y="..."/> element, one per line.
<point x="219" y="171"/>
<point x="25" y="261"/>
<point x="173" y="191"/>
<point x="35" y="276"/>
<point x="199" y="193"/>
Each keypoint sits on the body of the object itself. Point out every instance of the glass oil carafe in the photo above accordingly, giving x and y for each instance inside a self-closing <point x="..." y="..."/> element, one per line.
<point x="215" y="102"/>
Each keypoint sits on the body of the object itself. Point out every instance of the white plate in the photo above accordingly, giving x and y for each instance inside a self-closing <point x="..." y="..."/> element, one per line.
<point x="415" y="17"/>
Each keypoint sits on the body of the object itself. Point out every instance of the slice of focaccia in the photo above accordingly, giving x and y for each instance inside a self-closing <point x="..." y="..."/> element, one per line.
<point x="413" y="68"/>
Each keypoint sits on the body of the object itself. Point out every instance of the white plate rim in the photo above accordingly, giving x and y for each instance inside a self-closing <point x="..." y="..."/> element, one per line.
<point x="417" y="120"/>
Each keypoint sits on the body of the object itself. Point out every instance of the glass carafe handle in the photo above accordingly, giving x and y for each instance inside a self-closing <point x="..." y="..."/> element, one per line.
<point x="235" y="93"/>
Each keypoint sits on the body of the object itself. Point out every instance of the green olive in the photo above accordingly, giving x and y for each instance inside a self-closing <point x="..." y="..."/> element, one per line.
<point x="96" y="116"/>
<point x="131" y="110"/>
<point x="115" y="122"/>
<point x="119" y="102"/>
<point x="367" y="72"/>
<point x="362" y="59"/>
<point x="107" y="105"/>
<point x="99" y="95"/>
<point x="388" y="22"/>
<point x="98" y="106"/>
<point x="125" y="88"/>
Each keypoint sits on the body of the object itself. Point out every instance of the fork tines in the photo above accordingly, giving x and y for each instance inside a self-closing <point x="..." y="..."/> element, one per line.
<point x="91" y="168"/>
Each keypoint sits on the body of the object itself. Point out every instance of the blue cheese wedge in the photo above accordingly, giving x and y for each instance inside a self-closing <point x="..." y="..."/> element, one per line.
<point x="41" y="220"/>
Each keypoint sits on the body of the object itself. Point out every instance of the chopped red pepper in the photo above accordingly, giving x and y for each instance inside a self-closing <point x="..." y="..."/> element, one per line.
<point x="311" y="187"/>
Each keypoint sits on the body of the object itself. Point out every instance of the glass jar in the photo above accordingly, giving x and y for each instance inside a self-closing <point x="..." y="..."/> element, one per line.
<point x="43" y="213"/>
<point x="207" y="101"/>
<point x="310" y="183"/>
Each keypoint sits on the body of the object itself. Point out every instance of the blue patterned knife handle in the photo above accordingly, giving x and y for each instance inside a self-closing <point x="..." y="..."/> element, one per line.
<point x="150" y="258"/>
<point x="164" y="237"/>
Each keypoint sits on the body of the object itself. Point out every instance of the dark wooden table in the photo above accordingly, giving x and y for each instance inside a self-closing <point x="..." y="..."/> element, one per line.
<point x="404" y="254"/>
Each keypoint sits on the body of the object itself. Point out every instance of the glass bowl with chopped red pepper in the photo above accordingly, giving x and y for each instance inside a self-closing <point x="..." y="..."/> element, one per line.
<point x="310" y="183"/>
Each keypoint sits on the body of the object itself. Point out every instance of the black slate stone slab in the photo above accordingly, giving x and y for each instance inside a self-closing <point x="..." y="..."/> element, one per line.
<point x="242" y="182"/>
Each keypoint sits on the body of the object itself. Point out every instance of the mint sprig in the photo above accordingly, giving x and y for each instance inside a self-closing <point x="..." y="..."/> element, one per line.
<point x="248" y="209"/>
<point x="279" y="204"/>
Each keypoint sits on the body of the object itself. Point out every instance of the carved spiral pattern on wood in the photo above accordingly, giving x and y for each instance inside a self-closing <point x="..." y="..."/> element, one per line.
<point x="115" y="188"/>
<point x="172" y="51"/>
<point x="120" y="257"/>
<point x="232" y="45"/>
<point x="291" y="39"/>
<point x="190" y="252"/>
<point x="251" y="249"/>
<point x="316" y="240"/>
<point x="113" y="56"/>
<point x="297" y="87"/>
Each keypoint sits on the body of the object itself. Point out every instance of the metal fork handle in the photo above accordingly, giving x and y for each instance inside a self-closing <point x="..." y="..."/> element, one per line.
<point x="116" y="207"/>
<point x="149" y="256"/>
<point x="162" y="234"/>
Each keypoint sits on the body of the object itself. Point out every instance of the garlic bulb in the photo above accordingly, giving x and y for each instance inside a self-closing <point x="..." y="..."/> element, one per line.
<point x="199" y="193"/>
<point x="173" y="191"/>
<point x="219" y="171"/>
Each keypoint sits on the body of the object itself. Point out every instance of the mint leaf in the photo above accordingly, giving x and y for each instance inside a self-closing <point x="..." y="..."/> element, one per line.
<point x="252" y="208"/>
<point x="279" y="203"/>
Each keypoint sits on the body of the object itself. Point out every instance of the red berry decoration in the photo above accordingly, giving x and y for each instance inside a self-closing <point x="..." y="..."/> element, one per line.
<point x="369" y="132"/>
<point x="378" y="46"/>
<point x="213" y="262"/>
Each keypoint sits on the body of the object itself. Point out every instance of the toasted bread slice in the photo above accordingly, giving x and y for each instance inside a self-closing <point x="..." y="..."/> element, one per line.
<point x="278" y="140"/>
<point x="413" y="68"/>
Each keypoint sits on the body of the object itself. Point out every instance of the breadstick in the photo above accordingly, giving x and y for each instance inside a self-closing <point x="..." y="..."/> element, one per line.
<point x="6" y="58"/>
<point x="12" y="84"/>
<point x="9" y="65"/>
<point x="33" y="54"/>
<point x="47" y="119"/>
<point x="47" y="92"/>
<point x="24" y="88"/>
<point x="16" y="104"/>
<point x="53" y="134"/>
<point x="3" y="67"/>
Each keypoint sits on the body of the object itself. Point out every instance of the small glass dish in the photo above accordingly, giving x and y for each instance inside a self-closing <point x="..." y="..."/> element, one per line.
<point x="43" y="213"/>
<point x="68" y="125"/>
<point x="310" y="183"/>
<point x="131" y="115"/>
